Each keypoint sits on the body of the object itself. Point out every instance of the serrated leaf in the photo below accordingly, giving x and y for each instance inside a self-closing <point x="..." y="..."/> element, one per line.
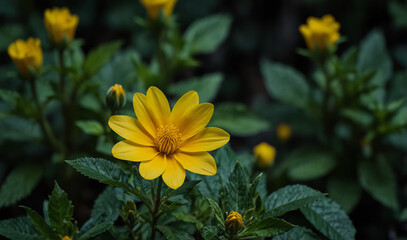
<point x="94" y="227"/>
<point x="99" y="56"/>
<point x="106" y="205"/>
<point x="20" y="228"/>
<point x="238" y="119"/>
<point x="206" y="34"/>
<point x="186" y="188"/>
<point x="298" y="233"/>
<point x="379" y="180"/>
<point x="206" y="86"/>
<point x="60" y="209"/>
<point x="336" y="189"/>
<point x="209" y="232"/>
<point x="268" y="227"/>
<point x="42" y="227"/>
<point x="290" y="198"/>
<point x="90" y="127"/>
<point x="102" y="170"/>
<point x="171" y="233"/>
<point x="237" y="196"/>
<point x="19" y="184"/>
<point x="217" y="211"/>
<point x="285" y="83"/>
<point x="329" y="219"/>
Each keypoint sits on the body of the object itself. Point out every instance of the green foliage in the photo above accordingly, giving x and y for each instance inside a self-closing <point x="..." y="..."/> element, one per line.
<point x="171" y="233"/>
<point x="19" y="184"/>
<point x="238" y="120"/>
<point x="19" y="228"/>
<point x="91" y="127"/>
<point x="206" y="34"/>
<point x="42" y="227"/>
<point x="267" y="228"/>
<point x="217" y="211"/>
<point x="60" y="209"/>
<point x="330" y="219"/>
<point x="337" y="187"/>
<point x="297" y="233"/>
<point x="398" y="11"/>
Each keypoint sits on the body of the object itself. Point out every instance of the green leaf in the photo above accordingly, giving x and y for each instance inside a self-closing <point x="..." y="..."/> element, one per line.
<point x="398" y="11"/>
<point x="298" y="233"/>
<point x="290" y="198"/>
<point x="10" y="32"/>
<point x="60" y="209"/>
<point x="400" y="53"/>
<point x="94" y="227"/>
<point x="101" y="170"/>
<point x="90" y="127"/>
<point x="185" y="189"/>
<point x="106" y="205"/>
<point x="171" y="233"/>
<point x="403" y="215"/>
<point x="336" y="188"/>
<point x="308" y="163"/>
<point x="207" y="86"/>
<point x="206" y="34"/>
<point x="42" y="227"/>
<point x="268" y="227"/>
<point x="236" y="194"/>
<point x="19" y="184"/>
<point x="330" y="219"/>
<point x="209" y="232"/>
<point x="20" y="228"/>
<point x="217" y="211"/>
<point x="238" y="120"/>
<point x="99" y="56"/>
<point x="19" y="129"/>
<point x="378" y="179"/>
<point x="285" y="83"/>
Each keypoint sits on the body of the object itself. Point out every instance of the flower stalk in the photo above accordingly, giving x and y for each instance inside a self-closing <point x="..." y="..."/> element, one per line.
<point x="156" y="212"/>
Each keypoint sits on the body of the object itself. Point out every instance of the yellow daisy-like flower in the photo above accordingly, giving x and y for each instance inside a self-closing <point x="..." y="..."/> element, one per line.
<point x="265" y="154"/>
<point x="153" y="7"/>
<point x="320" y="32"/>
<point x="26" y="54"/>
<point x="59" y="22"/>
<point x="168" y="142"/>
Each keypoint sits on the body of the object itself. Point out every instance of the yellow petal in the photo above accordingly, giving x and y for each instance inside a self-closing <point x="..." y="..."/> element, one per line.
<point x="158" y="106"/>
<point x="139" y="104"/>
<point x="195" y="120"/>
<point x="208" y="139"/>
<point x="183" y="105"/>
<point x="197" y="162"/>
<point x="152" y="169"/>
<point x="174" y="174"/>
<point x="131" y="129"/>
<point x="127" y="150"/>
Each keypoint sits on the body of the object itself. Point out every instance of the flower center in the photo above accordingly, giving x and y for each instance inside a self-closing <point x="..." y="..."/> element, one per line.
<point x="168" y="139"/>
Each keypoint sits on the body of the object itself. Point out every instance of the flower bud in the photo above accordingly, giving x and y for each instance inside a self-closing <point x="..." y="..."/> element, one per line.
<point x="265" y="154"/>
<point x="154" y="7"/>
<point x="130" y="206"/>
<point x="115" y="98"/>
<point x="233" y="222"/>
<point x="60" y="24"/>
<point x="283" y="131"/>
<point x="66" y="238"/>
<point x="320" y="32"/>
<point x="26" y="55"/>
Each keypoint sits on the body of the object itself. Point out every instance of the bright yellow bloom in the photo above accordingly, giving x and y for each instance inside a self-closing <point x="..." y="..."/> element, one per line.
<point x="25" y="54"/>
<point x="283" y="131"/>
<point x="153" y="7"/>
<point x="66" y="238"/>
<point x="115" y="97"/>
<point x="60" y="22"/>
<point x="265" y="154"/>
<point x="234" y="222"/>
<point x="168" y="142"/>
<point x="320" y="32"/>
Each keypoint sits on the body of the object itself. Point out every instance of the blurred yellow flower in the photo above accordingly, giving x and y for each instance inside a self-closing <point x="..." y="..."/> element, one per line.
<point x="154" y="7"/>
<point x="283" y="131"/>
<point x="115" y="97"/>
<point x="320" y="32"/>
<point x="25" y="54"/>
<point x="168" y="142"/>
<point x="234" y="222"/>
<point x="265" y="154"/>
<point x="66" y="238"/>
<point x="60" y="22"/>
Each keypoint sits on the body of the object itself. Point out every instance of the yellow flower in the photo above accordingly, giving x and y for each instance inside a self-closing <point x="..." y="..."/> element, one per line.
<point x="168" y="142"/>
<point x="66" y="238"/>
<point x="60" y="22"/>
<point x="115" y="97"/>
<point x="283" y="131"/>
<point x="265" y="154"/>
<point x="320" y="32"/>
<point x="153" y="7"/>
<point x="234" y="222"/>
<point x="25" y="54"/>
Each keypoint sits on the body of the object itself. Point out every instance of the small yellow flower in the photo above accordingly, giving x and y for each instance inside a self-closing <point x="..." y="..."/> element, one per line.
<point x="60" y="22"/>
<point x="66" y="238"/>
<point x="265" y="154"/>
<point x="283" y="131"/>
<point x="154" y="7"/>
<point x="234" y="222"/>
<point x="320" y="32"/>
<point x="115" y="97"/>
<point x="168" y="142"/>
<point x="25" y="54"/>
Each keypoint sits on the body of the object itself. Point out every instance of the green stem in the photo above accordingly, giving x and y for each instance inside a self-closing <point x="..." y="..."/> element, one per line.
<point x="156" y="213"/>
<point x="327" y="95"/>
<point x="65" y="102"/>
<point x="45" y="127"/>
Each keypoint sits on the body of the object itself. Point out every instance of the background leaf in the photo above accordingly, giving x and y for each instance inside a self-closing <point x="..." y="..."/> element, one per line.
<point x="20" y="228"/>
<point x="268" y="227"/>
<point x="99" y="56"/>
<point x="346" y="193"/>
<point x="298" y="233"/>
<point x="90" y="127"/>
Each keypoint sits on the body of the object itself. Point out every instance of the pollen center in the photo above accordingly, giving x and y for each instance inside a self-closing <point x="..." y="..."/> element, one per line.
<point x="168" y="139"/>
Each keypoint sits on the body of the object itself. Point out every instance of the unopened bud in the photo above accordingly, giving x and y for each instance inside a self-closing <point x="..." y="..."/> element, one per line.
<point x="115" y="98"/>
<point x="234" y="222"/>
<point x="66" y="238"/>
